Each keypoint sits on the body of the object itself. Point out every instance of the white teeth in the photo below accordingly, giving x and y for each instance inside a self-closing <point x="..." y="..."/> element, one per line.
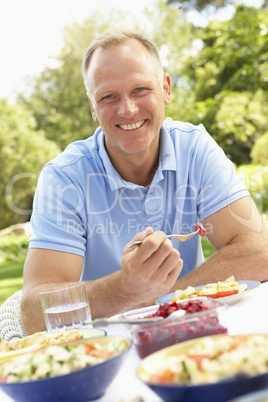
<point x="131" y="126"/>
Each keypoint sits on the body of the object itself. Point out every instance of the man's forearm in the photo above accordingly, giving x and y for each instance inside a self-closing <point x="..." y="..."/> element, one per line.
<point x="31" y="309"/>
<point x="245" y="260"/>
<point x="106" y="298"/>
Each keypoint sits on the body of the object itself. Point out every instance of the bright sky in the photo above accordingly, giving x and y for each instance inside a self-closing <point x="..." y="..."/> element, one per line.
<point x="31" y="31"/>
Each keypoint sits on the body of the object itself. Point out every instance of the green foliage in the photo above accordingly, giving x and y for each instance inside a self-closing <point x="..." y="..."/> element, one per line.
<point x="259" y="152"/>
<point x="13" y="250"/>
<point x="256" y="180"/>
<point x="231" y="58"/>
<point x="219" y="76"/>
<point x="173" y="37"/>
<point x="228" y="80"/>
<point x="235" y="120"/>
<point x="176" y="40"/>
<point x="265" y="5"/>
<point x="200" y="5"/>
<point x="10" y="279"/>
<point x="24" y="151"/>
<point x="13" y="247"/>
<point x="208" y="249"/>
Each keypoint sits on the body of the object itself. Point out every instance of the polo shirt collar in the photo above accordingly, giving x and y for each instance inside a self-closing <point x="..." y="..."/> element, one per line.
<point x="167" y="158"/>
<point x="167" y="161"/>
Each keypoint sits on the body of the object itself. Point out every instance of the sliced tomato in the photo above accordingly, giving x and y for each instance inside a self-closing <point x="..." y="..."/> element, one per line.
<point x="102" y="353"/>
<point x="166" y="376"/>
<point x="89" y="348"/>
<point x="4" y="379"/>
<point x="198" y="359"/>
<point x="223" y="293"/>
<point x="200" y="228"/>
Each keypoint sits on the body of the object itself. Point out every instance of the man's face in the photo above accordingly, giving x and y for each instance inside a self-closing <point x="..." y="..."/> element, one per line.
<point x="128" y="94"/>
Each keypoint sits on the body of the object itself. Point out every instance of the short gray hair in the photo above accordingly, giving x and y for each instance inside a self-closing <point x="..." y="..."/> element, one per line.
<point x="113" y="38"/>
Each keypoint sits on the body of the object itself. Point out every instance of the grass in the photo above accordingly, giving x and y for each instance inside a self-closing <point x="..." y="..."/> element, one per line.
<point x="208" y="249"/>
<point x="13" y="250"/>
<point x="10" y="279"/>
<point x="11" y="268"/>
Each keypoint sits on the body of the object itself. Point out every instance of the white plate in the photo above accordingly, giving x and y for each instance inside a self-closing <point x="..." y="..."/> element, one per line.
<point x="139" y="312"/>
<point x="252" y="285"/>
<point x="257" y="396"/>
<point x="91" y="332"/>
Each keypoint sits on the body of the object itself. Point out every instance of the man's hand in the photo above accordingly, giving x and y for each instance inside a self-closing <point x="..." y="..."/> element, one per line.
<point x="150" y="269"/>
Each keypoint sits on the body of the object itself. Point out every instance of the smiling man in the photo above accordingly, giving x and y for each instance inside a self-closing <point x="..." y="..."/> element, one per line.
<point x="139" y="177"/>
<point x="129" y="107"/>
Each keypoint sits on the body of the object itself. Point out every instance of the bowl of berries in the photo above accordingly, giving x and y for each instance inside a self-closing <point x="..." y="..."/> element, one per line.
<point x="202" y="316"/>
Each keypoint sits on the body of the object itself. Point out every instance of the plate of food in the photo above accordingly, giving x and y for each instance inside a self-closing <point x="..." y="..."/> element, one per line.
<point x="228" y="291"/>
<point x="40" y="339"/>
<point x="214" y="368"/>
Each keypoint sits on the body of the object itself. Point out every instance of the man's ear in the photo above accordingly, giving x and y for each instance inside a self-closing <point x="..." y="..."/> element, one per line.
<point x="167" y="89"/>
<point x="93" y="111"/>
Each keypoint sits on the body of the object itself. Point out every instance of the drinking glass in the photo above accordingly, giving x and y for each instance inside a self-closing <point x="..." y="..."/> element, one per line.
<point x="65" y="308"/>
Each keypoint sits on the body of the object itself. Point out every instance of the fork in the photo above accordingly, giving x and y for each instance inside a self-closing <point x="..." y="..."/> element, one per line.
<point x="180" y="237"/>
<point x="103" y="322"/>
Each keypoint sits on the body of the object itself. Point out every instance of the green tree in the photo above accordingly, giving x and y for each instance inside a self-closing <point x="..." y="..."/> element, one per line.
<point x="256" y="180"/>
<point x="176" y="39"/>
<point x="200" y="5"/>
<point x="219" y="76"/>
<point x="259" y="152"/>
<point x="24" y="151"/>
<point x="228" y="81"/>
<point x="209" y="6"/>
<point x="173" y="35"/>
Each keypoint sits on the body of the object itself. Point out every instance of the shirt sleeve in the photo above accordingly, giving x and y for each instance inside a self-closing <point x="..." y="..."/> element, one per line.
<point x="58" y="218"/>
<point x="215" y="176"/>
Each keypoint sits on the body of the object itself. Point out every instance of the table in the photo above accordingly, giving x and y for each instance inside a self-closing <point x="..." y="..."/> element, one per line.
<point x="247" y="316"/>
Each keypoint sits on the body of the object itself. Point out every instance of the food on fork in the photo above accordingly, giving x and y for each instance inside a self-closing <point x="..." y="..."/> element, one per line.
<point x="228" y="287"/>
<point x="201" y="230"/>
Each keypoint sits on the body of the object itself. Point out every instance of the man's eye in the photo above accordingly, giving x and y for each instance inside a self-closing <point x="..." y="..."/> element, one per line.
<point x="141" y="91"/>
<point x="108" y="97"/>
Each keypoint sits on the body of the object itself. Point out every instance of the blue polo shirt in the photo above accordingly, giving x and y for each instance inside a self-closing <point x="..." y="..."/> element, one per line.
<point x="83" y="206"/>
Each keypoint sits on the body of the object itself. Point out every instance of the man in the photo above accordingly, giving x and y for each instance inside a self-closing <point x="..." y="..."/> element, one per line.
<point x="140" y="176"/>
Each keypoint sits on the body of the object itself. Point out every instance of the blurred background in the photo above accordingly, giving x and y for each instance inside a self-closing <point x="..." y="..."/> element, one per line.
<point x="216" y="52"/>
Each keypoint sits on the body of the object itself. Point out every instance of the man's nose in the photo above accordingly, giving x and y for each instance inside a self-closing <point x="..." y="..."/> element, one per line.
<point x="127" y="106"/>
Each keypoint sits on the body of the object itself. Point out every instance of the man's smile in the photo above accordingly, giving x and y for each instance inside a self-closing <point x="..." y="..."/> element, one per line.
<point x="133" y="126"/>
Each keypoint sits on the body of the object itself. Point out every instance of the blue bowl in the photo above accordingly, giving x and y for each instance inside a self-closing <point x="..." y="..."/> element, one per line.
<point x="221" y="391"/>
<point x="77" y="386"/>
